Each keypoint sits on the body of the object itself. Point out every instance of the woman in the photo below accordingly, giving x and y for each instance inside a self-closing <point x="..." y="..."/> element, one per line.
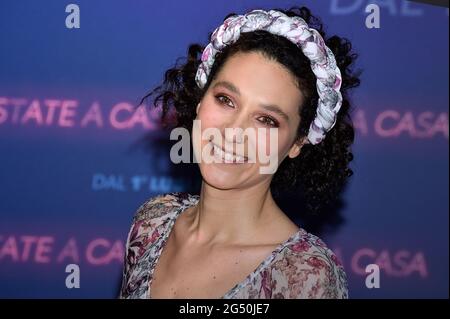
<point x="264" y="69"/>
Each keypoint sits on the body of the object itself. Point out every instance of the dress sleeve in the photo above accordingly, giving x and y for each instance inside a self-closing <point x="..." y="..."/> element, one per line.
<point x="142" y="234"/>
<point x="126" y="265"/>
<point x="309" y="271"/>
<point x="327" y="280"/>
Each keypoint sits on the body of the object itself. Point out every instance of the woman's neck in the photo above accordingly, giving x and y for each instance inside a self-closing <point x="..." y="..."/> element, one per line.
<point x="231" y="216"/>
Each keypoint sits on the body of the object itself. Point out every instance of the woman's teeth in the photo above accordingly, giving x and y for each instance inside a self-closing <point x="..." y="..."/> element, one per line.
<point x="227" y="157"/>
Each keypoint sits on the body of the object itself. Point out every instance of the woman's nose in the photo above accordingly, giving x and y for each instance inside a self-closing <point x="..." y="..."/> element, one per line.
<point x="236" y="128"/>
<point x="234" y="135"/>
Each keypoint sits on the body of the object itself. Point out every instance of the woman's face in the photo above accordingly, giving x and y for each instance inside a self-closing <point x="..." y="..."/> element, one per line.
<point x="254" y="94"/>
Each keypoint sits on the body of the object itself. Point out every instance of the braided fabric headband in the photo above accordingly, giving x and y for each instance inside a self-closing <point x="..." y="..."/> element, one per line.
<point x="323" y="62"/>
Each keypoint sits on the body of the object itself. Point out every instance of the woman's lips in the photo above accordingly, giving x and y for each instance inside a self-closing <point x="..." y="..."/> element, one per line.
<point x="228" y="157"/>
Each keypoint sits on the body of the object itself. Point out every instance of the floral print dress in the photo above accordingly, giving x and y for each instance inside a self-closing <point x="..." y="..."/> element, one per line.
<point x="300" y="267"/>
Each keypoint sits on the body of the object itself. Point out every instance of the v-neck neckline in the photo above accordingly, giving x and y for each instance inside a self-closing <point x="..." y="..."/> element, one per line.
<point x="170" y="221"/>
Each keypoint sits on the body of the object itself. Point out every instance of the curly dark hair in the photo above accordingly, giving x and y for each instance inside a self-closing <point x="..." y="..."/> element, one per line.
<point x="321" y="170"/>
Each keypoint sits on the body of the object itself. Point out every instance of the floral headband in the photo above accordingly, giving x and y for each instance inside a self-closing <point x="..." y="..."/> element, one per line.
<point x="323" y="62"/>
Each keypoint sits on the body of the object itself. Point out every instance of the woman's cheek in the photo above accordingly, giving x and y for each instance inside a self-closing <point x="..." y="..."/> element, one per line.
<point x="210" y="116"/>
<point x="271" y="140"/>
<point x="278" y="146"/>
<point x="283" y="145"/>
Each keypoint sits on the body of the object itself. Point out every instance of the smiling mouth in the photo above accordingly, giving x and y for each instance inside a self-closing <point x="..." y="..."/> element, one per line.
<point x="227" y="157"/>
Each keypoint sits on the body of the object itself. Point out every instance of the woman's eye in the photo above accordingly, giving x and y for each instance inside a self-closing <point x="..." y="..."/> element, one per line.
<point x="269" y="121"/>
<point x="224" y="100"/>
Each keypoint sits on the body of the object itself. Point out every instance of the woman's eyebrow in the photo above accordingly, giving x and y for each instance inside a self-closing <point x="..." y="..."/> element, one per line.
<point x="271" y="107"/>
<point x="276" y="109"/>
<point x="230" y="86"/>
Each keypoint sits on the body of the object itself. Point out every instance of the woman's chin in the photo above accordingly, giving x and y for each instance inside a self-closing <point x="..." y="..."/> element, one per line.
<point x="219" y="177"/>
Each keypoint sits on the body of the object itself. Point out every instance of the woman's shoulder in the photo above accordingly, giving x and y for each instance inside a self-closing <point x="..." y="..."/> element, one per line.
<point x="161" y="205"/>
<point x="150" y="223"/>
<point x="152" y="215"/>
<point x="308" y="268"/>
